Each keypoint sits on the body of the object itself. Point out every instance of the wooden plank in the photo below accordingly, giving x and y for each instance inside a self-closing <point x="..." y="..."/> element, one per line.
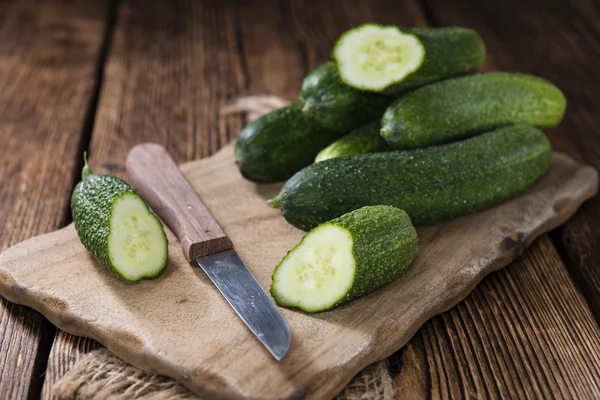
<point x="172" y="66"/>
<point x="48" y="58"/>
<point x="66" y="351"/>
<point x="318" y="24"/>
<point x="509" y="339"/>
<point x="559" y="40"/>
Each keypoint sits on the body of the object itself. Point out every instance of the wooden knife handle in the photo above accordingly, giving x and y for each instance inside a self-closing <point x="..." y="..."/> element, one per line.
<point x="156" y="177"/>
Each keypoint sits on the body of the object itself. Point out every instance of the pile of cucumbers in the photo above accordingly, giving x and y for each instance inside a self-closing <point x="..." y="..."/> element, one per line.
<point x="403" y="133"/>
<point x="335" y="104"/>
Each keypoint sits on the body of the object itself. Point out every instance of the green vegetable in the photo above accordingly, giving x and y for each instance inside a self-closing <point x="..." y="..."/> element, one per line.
<point x="115" y="225"/>
<point x="363" y="140"/>
<point x="462" y="107"/>
<point x="335" y="105"/>
<point x="345" y="258"/>
<point x="279" y="144"/>
<point x="432" y="184"/>
<point x="391" y="60"/>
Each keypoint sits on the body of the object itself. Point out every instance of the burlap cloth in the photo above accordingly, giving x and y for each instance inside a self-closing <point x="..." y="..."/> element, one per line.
<point x="101" y="375"/>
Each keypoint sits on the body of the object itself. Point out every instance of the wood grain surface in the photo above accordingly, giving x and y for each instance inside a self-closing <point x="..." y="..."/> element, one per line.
<point x="493" y="346"/>
<point x="156" y="325"/>
<point x="170" y="68"/>
<point x="49" y="53"/>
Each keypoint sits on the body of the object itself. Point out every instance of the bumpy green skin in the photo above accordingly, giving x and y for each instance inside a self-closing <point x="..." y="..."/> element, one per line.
<point x="385" y="244"/>
<point x="336" y="105"/>
<point x="432" y="184"/>
<point x="462" y="107"/>
<point x="363" y="140"/>
<point x="91" y="205"/>
<point x="449" y="52"/>
<point x="279" y="144"/>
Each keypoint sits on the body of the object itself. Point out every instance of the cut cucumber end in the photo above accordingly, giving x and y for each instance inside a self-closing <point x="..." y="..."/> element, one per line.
<point x="373" y="57"/>
<point x="318" y="273"/>
<point x="137" y="244"/>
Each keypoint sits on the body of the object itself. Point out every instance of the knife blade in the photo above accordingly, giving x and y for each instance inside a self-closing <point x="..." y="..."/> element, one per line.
<point x="155" y="176"/>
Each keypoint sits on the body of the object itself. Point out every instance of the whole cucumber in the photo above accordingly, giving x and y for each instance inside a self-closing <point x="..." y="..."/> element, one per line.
<point x="335" y="105"/>
<point x="463" y="107"/>
<point x="345" y="258"/>
<point x="432" y="184"/>
<point x="279" y="144"/>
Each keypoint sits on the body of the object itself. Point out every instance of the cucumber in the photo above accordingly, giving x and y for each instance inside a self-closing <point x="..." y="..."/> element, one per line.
<point x="462" y="107"/>
<point x="363" y="140"/>
<point x="279" y="144"/>
<point x="335" y="105"/>
<point x="345" y="258"/>
<point x="392" y="60"/>
<point x="116" y="226"/>
<point x="433" y="184"/>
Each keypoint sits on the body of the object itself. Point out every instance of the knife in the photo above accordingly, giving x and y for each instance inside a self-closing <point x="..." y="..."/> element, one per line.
<point x="156" y="177"/>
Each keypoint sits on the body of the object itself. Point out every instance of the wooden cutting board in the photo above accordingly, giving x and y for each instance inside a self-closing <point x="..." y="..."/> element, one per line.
<point x="180" y="326"/>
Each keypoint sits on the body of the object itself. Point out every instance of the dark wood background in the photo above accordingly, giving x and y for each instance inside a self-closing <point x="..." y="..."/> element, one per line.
<point x="102" y="76"/>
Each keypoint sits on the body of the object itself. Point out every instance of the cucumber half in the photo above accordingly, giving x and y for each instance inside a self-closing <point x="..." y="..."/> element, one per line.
<point x="373" y="57"/>
<point x="116" y="226"/>
<point x="345" y="258"/>
<point x="136" y="242"/>
<point x="318" y="273"/>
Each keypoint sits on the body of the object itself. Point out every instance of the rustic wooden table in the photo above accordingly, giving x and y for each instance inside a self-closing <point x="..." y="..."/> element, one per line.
<point x="103" y="76"/>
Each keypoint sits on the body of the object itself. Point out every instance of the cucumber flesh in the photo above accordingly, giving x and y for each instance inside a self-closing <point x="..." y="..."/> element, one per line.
<point x="136" y="242"/>
<point x="372" y="57"/>
<point x="319" y="272"/>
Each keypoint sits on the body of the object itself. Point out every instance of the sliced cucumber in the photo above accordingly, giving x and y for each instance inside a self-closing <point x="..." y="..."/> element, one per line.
<point x="319" y="272"/>
<point x="372" y="57"/>
<point x="115" y="225"/>
<point x="136" y="242"/>
<point x="345" y="258"/>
